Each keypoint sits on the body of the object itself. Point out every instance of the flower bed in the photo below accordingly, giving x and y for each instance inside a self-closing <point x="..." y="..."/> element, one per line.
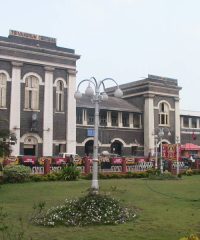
<point x="88" y="210"/>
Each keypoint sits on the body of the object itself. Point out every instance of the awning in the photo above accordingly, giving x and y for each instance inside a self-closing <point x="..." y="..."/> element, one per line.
<point x="190" y="146"/>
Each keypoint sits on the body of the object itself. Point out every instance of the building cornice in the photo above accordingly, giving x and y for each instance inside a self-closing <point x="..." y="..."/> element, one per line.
<point x="37" y="62"/>
<point x="149" y="93"/>
<point x="71" y="56"/>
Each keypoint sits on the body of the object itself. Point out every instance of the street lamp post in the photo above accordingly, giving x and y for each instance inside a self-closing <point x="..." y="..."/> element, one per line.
<point x="94" y="92"/>
<point x="161" y="133"/>
<point x="177" y="155"/>
<point x="156" y="148"/>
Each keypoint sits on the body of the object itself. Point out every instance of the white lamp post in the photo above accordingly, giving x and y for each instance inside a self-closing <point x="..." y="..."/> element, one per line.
<point x="94" y="92"/>
<point x="177" y="155"/>
<point x="160" y="135"/>
<point x="156" y="150"/>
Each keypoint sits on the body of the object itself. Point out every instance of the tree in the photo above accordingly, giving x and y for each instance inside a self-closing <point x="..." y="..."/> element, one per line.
<point x="4" y="139"/>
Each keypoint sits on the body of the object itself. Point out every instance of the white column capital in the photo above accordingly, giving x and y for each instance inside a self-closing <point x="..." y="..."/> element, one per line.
<point x="149" y="95"/>
<point x="72" y="72"/>
<point x="17" y="64"/>
<point x="177" y="99"/>
<point x="49" y="69"/>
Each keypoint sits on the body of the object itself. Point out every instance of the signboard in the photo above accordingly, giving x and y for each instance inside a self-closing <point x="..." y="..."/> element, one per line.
<point x="32" y="36"/>
<point x="169" y="151"/>
<point x="90" y="132"/>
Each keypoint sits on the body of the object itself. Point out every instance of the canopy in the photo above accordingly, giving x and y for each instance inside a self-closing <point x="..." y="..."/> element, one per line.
<point x="190" y="146"/>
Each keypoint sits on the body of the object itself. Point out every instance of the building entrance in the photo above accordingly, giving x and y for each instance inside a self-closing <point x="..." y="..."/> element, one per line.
<point x="89" y="147"/>
<point x="116" y="147"/>
<point x="29" y="150"/>
<point x="30" y="146"/>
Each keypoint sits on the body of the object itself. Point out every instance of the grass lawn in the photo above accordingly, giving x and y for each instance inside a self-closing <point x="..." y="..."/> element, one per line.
<point x="167" y="210"/>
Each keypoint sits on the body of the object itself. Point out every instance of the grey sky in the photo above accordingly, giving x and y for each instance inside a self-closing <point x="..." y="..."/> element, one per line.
<point x="122" y="39"/>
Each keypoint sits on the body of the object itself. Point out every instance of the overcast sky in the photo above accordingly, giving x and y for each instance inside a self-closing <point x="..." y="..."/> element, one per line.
<point x="122" y="39"/>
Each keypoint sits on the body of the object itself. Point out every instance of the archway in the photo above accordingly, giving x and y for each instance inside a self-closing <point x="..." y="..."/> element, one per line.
<point x="89" y="147"/>
<point x="116" y="147"/>
<point x="30" y="146"/>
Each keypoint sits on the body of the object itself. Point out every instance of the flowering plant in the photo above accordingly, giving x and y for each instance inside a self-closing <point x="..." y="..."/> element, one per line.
<point x="88" y="210"/>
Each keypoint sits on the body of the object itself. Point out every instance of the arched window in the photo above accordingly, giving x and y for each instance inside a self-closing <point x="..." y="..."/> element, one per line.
<point x="32" y="93"/>
<point x="3" y="83"/>
<point x="60" y="96"/>
<point x="163" y="113"/>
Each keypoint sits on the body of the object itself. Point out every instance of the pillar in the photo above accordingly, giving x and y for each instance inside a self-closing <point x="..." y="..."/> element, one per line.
<point x="84" y="117"/>
<point x="87" y="165"/>
<point x="47" y="166"/>
<point x="131" y="120"/>
<point x="71" y="113"/>
<point x="177" y="120"/>
<point x="148" y="124"/>
<point x="120" y="119"/>
<point x="123" y="165"/>
<point x="109" y="119"/>
<point x="48" y="113"/>
<point x="15" y="102"/>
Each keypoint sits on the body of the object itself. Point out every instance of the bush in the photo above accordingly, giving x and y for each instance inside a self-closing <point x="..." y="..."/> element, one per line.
<point x="16" y="173"/>
<point x="70" y="173"/>
<point x="36" y="178"/>
<point x="47" y="177"/>
<point x="191" y="237"/>
<point x="189" y="172"/>
<point x="88" y="210"/>
<point x="118" y="175"/>
<point x="164" y="176"/>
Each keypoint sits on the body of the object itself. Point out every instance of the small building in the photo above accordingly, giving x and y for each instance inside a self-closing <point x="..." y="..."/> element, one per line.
<point x="128" y="126"/>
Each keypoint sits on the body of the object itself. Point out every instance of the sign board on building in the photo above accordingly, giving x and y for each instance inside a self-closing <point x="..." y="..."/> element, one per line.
<point x="90" y="132"/>
<point x="32" y="36"/>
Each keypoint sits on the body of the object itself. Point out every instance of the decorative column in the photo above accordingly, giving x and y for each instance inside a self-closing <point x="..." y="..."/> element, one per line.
<point x="190" y="122"/>
<point x="131" y="120"/>
<point x="120" y="119"/>
<point x="84" y="117"/>
<point x="198" y="123"/>
<point x="177" y="120"/>
<point x="48" y="113"/>
<point x="71" y="112"/>
<point x="108" y="118"/>
<point x="148" y="124"/>
<point x="182" y="125"/>
<point x="15" y="102"/>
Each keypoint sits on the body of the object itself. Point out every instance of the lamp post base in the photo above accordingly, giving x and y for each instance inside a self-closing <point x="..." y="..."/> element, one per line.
<point x="95" y="187"/>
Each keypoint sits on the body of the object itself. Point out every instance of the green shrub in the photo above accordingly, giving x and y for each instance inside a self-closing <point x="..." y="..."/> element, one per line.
<point x="47" y="177"/>
<point x="36" y="178"/>
<point x="70" y="173"/>
<point x="16" y="173"/>
<point x="191" y="237"/>
<point x="189" y="172"/>
<point x="88" y="210"/>
<point x="118" y="175"/>
<point x="164" y="176"/>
